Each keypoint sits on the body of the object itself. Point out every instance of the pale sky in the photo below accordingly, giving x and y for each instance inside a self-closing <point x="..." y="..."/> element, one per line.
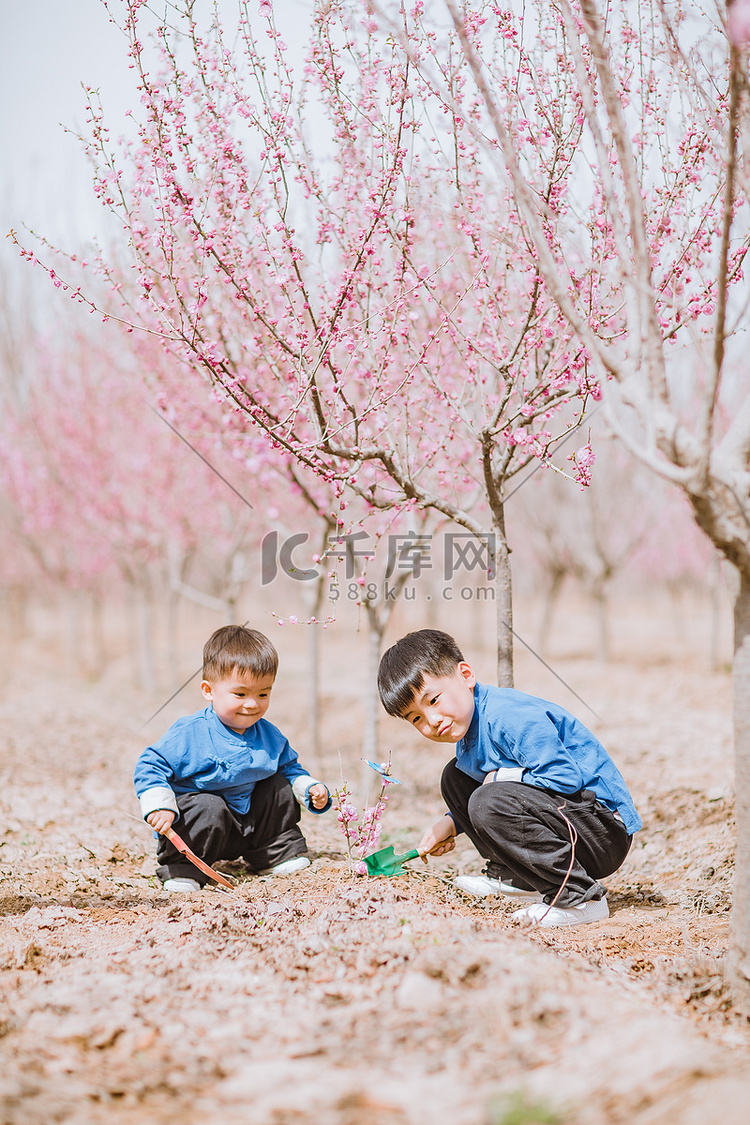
<point x="48" y="48"/>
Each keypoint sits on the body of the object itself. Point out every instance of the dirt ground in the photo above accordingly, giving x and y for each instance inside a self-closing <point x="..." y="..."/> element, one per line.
<point x="326" y="997"/>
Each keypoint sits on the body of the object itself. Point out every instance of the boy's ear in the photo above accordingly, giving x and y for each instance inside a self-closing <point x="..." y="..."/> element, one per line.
<point x="207" y="690"/>
<point x="467" y="673"/>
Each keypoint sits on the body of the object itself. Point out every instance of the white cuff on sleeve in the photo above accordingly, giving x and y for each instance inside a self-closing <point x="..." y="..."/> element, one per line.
<point x="158" y="797"/>
<point x="509" y="773"/>
<point x="301" y="784"/>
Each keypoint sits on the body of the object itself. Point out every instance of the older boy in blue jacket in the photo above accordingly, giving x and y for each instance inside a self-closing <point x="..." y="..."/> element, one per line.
<point x="533" y="789"/>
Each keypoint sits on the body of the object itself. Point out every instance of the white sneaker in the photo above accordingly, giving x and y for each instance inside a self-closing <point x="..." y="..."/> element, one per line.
<point x="539" y="914"/>
<point x="480" y="886"/>
<point x="181" y="886"/>
<point x="288" y="866"/>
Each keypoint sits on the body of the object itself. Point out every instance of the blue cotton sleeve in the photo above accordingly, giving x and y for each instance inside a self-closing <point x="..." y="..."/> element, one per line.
<point x="151" y="777"/>
<point x="532" y="739"/>
<point x="302" y="782"/>
<point x="289" y="763"/>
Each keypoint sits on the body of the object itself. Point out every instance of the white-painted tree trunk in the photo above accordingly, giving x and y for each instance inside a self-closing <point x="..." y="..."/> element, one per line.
<point x="739" y="954"/>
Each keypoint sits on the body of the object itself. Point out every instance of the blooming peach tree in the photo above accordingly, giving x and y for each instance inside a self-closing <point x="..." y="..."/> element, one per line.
<point x="332" y="252"/>
<point x="643" y="250"/>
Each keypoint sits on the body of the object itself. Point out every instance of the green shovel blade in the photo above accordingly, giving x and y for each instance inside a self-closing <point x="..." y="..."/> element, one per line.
<point x="385" y="862"/>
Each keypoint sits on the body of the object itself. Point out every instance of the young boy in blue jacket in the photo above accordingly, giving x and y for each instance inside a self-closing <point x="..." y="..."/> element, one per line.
<point x="528" y="779"/>
<point x="226" y="774"/>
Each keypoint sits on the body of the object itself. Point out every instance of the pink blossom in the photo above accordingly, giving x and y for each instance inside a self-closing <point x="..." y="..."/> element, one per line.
<point x="738" y="23"/>
<point x="583" y="461"/>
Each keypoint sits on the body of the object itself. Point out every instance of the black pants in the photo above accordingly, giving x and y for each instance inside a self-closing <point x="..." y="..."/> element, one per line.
<point x="268" y="834"/>
<point x="519" y="829"/>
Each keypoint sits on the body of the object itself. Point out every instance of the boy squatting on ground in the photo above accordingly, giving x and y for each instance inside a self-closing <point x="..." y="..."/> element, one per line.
<point x="228" y="775"/>
<point x="521" y="763"/>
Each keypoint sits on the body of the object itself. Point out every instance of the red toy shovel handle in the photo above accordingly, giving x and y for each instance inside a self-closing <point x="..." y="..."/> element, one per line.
<point x="181" y="846"/>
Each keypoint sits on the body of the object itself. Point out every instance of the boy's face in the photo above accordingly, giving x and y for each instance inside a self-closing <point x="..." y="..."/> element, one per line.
<point x="239" y="700"/>
<point x="443" y="707"/>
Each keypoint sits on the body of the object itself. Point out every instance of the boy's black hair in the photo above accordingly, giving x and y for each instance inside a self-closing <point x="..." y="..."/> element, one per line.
<point x="403" y="667"/>
<point x="235" y="647"/>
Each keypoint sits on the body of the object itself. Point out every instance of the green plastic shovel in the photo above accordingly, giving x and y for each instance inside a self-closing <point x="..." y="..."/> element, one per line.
<point x="385" y="862"/>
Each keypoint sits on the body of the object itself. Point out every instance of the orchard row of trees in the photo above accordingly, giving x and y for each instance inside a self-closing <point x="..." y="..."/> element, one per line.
<point x="414" y="263"/>
<point x="339" y="257"/>
<point x="103" y="501"/>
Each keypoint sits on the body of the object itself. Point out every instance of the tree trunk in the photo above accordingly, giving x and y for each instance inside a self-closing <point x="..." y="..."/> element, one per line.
<point x="599" y="595"/>
<point x="231" y="599"/>
<point x="431" y="614"/>
<point x="372" y="700"/>
<point x="172" y="647"/>
<point x="549" y="605"/>
<point x="146" y="666"/>
<point x="503" y="605"/>
<point x="16" y="603"/>
<point x="98" y="639"/>
<point x="715" y="615"/>
<point x="74" y="630"/>
<point x="131" y="619"/>
<point x="739" y="953"/>
<point x="378" y="617"/>
<point x="313" y="706"/>
<point x="316" y="599"/>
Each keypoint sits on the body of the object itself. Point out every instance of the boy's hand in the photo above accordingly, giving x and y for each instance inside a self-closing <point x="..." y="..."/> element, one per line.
<point x="439" y="839"/>
<point x="319" y="796"/>
<point x="160" y="819"/>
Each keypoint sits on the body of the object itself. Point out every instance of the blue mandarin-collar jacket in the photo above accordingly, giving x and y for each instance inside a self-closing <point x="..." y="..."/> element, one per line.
<point x="199" y="754"/>
<point x="543" y="745"/>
